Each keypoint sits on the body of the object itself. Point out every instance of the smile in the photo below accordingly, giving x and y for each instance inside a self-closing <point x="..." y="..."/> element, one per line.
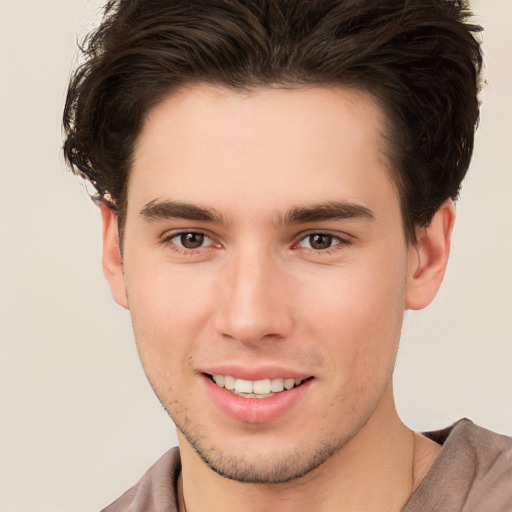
<point x="264" y="388"/>
<point x="257" y="400"/>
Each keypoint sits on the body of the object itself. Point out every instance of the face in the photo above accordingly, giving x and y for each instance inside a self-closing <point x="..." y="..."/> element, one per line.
<point x="264" y="251"/>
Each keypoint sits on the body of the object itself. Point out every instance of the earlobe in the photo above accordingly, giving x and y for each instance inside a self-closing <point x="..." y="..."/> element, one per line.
<point x="428" y="258"/>
<point x="111" y="259"/>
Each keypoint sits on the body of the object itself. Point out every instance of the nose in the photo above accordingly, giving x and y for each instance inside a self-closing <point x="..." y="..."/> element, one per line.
<point x="254" y="303"/>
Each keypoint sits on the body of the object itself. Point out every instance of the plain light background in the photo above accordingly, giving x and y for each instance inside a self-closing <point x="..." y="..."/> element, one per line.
<point x="78" y="422"/>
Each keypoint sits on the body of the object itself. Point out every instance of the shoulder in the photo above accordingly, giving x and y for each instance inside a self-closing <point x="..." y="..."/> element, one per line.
<point x="473" y="471"/>
<point x="155" y="491"/>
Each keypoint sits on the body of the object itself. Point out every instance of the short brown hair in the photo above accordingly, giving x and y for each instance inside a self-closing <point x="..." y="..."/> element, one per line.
<point x="419" y="58"/>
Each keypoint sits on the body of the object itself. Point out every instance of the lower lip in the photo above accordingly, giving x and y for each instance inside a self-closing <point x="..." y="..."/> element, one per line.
<point x="255" y="410"/>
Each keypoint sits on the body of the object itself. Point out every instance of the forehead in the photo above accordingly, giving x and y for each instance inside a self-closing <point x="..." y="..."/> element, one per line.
<point x="224" y="148"/>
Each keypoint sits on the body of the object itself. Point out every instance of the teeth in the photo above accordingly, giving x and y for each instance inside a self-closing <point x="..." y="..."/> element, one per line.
<point x="243" y="386"/>
<point x="229" y="382"/>
<point x="289" y="383"/>
<point x="219" y="380"/>
<point x="277" y="385"/>
<point x="261" y="387"/>
<point x="255" y="388"/>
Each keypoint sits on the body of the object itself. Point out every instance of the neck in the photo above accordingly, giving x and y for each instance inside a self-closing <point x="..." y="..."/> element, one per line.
<point x="376" y="470"/>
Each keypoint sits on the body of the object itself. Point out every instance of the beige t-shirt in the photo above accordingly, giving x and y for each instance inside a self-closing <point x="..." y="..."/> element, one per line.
<point x="472" y="473"/>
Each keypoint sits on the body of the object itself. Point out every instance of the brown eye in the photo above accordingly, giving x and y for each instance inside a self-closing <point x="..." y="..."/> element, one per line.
<point x="191" y="240"/>
<point x="320" y="241"/>
<point x="191" y="243"/>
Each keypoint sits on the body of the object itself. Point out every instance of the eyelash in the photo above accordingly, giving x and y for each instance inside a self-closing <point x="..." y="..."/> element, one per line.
<point x="338" y="241"/>
<point x="173" y="246"/>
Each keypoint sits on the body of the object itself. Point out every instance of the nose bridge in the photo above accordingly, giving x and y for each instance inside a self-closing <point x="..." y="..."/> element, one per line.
<point x="253" y="305"/>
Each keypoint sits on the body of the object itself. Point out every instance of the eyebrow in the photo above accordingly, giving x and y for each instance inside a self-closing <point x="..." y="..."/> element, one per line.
<point x="161" y="210"/>
<point x="331" y="210"/>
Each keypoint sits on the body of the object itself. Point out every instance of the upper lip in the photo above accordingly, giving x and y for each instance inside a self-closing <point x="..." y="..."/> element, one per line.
<point x="255" y="372"/>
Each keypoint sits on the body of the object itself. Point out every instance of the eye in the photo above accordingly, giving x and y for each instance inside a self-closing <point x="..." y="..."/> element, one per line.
<point x="191" y="240"/>
<point x="319" y="241"/>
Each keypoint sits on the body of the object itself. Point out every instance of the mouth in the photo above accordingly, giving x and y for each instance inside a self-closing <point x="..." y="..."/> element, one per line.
<point x="257" y="395"/>
<point x="264" y="388"/>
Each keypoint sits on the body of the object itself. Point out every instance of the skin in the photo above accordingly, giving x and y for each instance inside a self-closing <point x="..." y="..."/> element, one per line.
<point x="257" y="292"/>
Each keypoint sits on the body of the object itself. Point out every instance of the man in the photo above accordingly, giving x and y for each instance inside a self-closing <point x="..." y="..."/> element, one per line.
<point x="276" y="181"/>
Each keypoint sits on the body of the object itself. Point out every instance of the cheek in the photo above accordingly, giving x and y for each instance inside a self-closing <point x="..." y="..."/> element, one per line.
<point x="169" y="311"/>
<point x="358" y="315"/>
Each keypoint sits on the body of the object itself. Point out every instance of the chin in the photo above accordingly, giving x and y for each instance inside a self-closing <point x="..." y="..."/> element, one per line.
<point x="263" y="466"/>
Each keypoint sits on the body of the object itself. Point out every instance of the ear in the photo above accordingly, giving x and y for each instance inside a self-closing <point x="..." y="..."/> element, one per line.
<point x="111" y="259"/>
<point x="428" y="258"/>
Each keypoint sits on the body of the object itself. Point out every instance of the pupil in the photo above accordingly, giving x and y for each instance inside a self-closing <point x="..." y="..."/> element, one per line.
<point x="192" y="240"/>
<point x="320" y="241"/>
